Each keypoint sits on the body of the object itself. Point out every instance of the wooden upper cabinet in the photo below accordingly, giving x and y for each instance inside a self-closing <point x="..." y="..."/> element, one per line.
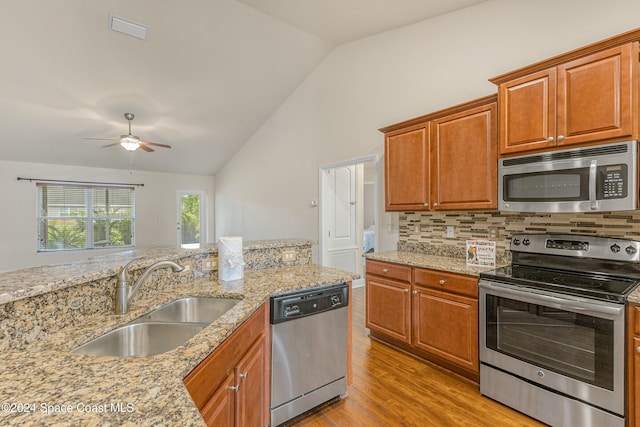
<point x="445" y="160"/>
<point x="464" y="160"/>
<point x="407" y="169"/>
<point x="583" y="97"/>
<point x="595" y="96"/>
<point x="528" y="112"/>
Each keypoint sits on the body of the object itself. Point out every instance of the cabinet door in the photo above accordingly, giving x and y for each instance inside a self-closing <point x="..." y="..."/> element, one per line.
<point x="446" y="326"/>
<point x="595" y="96"/>
<point x="219" y="411"/>
<point x="407" y="169"/>
<point x="636" y="381"/>
<point x="464" y="160"/>
<point x="250" y="380"/>
<point x="389" y="308"/>
<point x="527" y="112"/>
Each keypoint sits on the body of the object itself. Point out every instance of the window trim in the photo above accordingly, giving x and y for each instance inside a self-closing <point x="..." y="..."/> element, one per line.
<point x="89" y="218"/>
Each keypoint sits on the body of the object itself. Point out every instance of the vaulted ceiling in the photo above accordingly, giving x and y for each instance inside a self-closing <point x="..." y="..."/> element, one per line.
<point x="208" y="75"/>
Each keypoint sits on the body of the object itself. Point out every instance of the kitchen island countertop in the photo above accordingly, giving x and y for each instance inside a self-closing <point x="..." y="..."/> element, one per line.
<point x="47" y="384"/>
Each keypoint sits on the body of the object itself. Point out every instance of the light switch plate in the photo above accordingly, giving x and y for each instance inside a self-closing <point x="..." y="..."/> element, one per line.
<point x="450" y="232"/>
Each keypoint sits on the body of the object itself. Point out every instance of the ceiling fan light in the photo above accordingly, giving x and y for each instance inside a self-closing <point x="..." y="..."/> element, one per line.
<point x="130" y="143"/>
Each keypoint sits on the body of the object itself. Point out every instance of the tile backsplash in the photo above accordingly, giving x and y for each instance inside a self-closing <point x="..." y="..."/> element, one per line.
<point x="427" y="231"/>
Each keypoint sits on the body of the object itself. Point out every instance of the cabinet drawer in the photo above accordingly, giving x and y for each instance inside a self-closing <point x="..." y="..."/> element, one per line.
<point x="388" y="270"/>
<point x="447" y="282"/>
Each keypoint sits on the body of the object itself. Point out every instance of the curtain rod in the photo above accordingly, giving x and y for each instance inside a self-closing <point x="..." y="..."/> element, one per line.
<point x="77" y="182"/>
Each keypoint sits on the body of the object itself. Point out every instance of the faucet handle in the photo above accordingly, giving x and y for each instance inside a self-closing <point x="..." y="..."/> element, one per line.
<point x="122" y="273"/>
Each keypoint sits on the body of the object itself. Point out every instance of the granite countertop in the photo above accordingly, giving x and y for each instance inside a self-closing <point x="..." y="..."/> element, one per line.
<point x="34" y="281"/>
<point x="62" y="388"/>
<point x="435" y="262"/>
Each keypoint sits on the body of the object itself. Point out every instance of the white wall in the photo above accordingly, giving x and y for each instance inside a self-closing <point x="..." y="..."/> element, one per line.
<point x="333" y="116"/>
<point x="156" y="208"/>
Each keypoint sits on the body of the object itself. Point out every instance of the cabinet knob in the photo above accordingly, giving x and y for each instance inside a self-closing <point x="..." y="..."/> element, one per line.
<point x="638" y="349"/>
<point x="416" y="292"/>
<point x="426" y="205"/>
<point x="560" y="137"/>
<point x="235" y="388"/>
<point x="442" y="281"/>
<point x="435" y="205"/>
<point x="244" y="376"/>
<point x="406" y="291"/>
<point x="385" y="270"/>
<point x="550" y="139"/>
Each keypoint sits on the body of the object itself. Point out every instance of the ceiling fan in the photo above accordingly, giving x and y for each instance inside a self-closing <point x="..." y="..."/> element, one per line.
<point x="131" y="142"/>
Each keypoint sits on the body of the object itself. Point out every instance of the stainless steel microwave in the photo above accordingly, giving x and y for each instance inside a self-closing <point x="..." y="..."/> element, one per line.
<point x="590" y="179"/>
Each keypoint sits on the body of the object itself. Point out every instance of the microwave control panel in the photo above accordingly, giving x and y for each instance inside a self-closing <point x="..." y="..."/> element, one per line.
<point x="612" y="182"/>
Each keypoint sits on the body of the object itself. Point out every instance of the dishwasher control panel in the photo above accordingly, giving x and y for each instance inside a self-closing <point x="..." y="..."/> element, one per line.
<point x="298" y="304"/>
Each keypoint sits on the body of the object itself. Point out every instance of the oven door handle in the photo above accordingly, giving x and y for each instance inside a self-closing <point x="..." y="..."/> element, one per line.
<point x="568" y="304"/>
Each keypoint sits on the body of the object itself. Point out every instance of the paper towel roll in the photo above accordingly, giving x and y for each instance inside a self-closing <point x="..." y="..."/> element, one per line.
<point x="230" y="258"/>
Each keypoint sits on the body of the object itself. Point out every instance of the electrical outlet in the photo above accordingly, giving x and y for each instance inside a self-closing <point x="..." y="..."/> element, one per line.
<point x="209" y="264"/>
<point x="450" y="232"/>
<point x="288" y="256"/>
<point x="494" y="233"/>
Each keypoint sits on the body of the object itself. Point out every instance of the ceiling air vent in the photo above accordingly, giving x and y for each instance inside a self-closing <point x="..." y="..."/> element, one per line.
<point x="129" y="28"/>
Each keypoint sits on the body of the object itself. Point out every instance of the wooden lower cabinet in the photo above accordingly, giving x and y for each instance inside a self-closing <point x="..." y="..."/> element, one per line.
<point x="230" y="387"/>
<point x="434" y="315"/>
<point x="633" y="365"/>
<point x="388" y="288"/>
<point x="446" y="325"/>
<point x="389" y="307"/>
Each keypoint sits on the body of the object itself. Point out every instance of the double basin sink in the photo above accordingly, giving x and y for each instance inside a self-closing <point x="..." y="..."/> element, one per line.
<point x="161" y="330"/>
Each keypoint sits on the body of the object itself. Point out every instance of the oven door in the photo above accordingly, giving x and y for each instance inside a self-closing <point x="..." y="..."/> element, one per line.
<point x="567" y="344"/>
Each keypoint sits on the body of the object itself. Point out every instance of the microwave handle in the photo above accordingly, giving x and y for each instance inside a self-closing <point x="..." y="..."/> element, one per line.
<point x="593" y="169"/>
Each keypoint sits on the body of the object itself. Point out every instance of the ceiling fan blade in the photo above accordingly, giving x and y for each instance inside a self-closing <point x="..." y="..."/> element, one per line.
<point x="111" y="145"/>
<point x="103" y="139"/>
<point x="154" y="144"/>
<point x="145" y="148"/>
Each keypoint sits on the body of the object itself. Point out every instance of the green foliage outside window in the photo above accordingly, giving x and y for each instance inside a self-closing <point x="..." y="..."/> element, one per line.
<point x="190" y="218"/>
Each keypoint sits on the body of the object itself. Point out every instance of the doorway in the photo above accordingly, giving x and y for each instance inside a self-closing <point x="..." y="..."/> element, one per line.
<point x="348" y="226"/>
<point x="191" y="224"/>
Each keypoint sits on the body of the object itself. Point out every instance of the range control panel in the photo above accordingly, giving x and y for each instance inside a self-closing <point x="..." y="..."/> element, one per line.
<point x="577" y="246"/>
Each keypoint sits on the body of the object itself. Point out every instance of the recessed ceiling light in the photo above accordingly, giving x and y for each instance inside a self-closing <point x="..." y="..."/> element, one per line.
<point x="127" y="27"/>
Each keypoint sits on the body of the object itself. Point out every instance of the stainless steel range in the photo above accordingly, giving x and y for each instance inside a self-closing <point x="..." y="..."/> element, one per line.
<point x="552" y="328"/>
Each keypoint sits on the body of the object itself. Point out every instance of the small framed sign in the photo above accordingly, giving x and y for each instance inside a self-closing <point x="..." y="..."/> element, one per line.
<point x="481" y="253"/>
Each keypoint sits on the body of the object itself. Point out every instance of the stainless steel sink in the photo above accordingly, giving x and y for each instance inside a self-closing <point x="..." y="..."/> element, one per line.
<point x="161" y="330"/>
<point x="141" y="339"/>
<point x="192" y="310"/>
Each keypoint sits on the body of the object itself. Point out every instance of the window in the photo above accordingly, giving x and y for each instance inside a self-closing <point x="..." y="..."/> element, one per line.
<point x="72" y="217"/>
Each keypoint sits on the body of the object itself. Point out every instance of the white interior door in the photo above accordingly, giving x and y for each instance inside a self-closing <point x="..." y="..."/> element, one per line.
<point x="340" y="207"/>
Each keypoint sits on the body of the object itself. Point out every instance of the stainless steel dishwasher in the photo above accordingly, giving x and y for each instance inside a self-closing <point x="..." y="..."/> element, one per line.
<point x="308" y="349"/>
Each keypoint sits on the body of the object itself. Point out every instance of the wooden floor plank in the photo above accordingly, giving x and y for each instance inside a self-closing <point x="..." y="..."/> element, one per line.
<point x="391" y="388"/>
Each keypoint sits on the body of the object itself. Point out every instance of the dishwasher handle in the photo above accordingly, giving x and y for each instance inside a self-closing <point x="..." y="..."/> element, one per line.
<point x="294" y="305"/>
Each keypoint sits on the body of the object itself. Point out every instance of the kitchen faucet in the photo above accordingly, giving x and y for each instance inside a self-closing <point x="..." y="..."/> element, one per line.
<point x="124" y="292"/>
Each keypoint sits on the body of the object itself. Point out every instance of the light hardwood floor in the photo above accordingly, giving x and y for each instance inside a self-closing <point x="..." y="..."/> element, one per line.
<point x="391" y="388"/>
